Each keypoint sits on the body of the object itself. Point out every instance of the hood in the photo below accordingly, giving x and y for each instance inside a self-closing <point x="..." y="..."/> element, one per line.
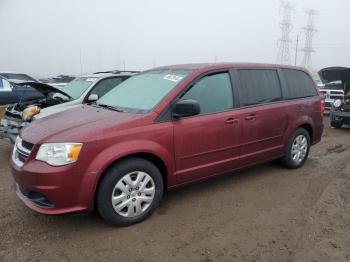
<point x="82" y="124"/>
<point x="332" y="74"/>
<point x="57" y="109"/>
<point x="41" y="87"/>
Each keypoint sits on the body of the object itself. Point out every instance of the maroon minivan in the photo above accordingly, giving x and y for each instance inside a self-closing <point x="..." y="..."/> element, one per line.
<point x="162" y="129"/>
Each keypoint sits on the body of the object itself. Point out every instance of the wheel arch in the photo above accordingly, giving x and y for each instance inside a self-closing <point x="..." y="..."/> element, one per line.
<point x="308" y="127"/>
<point x="151" y="157"/>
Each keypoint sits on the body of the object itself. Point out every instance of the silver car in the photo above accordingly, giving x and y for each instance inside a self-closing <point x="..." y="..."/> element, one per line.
<point x="84" y="89"/>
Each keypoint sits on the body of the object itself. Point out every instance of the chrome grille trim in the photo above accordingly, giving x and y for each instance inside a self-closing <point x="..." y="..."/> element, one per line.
<point x="20" y="154"/>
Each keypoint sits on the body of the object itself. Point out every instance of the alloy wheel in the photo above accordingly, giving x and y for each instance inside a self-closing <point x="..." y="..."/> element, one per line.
<point x="299" y="148"/>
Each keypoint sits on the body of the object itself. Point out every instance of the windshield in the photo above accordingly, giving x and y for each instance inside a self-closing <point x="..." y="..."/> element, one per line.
<point x="144" y="91"/>
<point x="78" y="86"/>
<point x="13" y="76"/>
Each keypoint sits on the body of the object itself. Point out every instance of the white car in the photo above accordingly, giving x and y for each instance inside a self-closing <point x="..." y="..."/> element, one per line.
<point x="84" y="89"/>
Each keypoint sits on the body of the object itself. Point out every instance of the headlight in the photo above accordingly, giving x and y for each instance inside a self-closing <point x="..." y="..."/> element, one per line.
<point x="59" y="154"/>
<point x="337" y="103"/>
<point x="29" y="112"/>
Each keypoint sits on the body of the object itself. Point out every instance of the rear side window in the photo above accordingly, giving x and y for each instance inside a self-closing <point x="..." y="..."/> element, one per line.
<point x="258" y="86"/>
<point x="213" y="93"/>
<point x="105" y="86"/>
<point x="299" y="84"/>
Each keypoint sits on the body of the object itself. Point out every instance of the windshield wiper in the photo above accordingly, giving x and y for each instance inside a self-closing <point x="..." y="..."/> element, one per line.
<point x="110" y="107"/>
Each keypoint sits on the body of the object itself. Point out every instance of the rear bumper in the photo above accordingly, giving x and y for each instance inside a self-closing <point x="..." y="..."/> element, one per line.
<point x="318" y="131"/>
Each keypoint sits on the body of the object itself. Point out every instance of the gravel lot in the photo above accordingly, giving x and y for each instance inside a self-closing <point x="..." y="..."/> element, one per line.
<point x="266" y="213"/>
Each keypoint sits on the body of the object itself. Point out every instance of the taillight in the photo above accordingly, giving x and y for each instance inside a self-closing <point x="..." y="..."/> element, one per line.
<point x="322" y="107"/>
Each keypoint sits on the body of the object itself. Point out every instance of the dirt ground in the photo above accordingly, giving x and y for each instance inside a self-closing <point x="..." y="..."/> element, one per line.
<point x="266" y="213"/>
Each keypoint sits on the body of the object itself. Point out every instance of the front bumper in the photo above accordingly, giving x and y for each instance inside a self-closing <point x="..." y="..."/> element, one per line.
<point x="341" y="116"/>
<point x="50" y="190"/>
<point x="9" y="128"/>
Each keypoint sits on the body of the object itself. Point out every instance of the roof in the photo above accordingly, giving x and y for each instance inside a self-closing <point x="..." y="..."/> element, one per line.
<point x="100" y="75"/>
<point x="213" y="66"/>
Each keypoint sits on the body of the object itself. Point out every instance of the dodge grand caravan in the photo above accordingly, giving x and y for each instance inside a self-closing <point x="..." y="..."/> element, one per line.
<point x="162" y="129"/>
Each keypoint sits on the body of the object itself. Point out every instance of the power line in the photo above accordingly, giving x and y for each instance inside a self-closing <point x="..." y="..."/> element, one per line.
<point x="309" y="31"/>
<point x="283" y="55"/>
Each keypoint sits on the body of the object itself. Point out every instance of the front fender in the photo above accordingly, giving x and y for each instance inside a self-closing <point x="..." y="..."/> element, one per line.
<point x="123" y="149"/>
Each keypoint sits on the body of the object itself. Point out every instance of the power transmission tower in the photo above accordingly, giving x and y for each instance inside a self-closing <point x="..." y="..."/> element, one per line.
<point x="283" y="55"/>
<point x="309" y="31"/>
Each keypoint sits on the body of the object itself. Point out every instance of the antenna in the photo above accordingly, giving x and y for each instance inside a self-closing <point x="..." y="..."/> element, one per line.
<point x="283" y="55"/>
<point x="309" y="31"/>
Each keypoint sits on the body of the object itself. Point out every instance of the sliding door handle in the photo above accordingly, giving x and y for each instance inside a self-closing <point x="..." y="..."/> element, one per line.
<point x="250" y="117"/>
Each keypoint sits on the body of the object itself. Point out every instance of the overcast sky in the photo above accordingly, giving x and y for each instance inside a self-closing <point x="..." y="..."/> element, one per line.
<point x="46" y="38"/>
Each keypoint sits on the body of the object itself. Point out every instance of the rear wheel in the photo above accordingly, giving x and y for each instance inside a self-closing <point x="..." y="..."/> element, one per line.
<point x="298" y="149"/>
<point x="129" y="192"/>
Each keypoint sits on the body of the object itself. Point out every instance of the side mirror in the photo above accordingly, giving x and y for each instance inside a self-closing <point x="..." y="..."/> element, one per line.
<point x="186" y="108"/>
<point x="92" y="98"/>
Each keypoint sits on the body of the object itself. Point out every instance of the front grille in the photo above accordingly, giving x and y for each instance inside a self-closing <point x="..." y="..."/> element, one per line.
<point x="332" y="94"/>
<point x="346" y="107"/>
<point x="21" y="152"/>
<point x="27" y="145"/>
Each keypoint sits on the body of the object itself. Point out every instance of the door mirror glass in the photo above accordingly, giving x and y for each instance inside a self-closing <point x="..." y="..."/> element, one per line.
<point x="185" y="108"/>
<point x="92" y="98"/>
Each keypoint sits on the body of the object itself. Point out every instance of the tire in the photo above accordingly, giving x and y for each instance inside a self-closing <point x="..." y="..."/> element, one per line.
<point x="336" y="124"/>
<point x="291" y="159"/>
<point x="136" y="186"/>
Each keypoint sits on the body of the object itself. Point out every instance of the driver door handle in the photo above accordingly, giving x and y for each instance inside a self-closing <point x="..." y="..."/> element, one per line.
<point x="231" y="120"/>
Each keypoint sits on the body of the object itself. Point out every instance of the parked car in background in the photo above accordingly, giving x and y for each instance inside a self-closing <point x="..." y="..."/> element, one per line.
<point x="340" y="110"/>
<point x="331" y="89"/>
<point x="162" y="129"/>
<point x="13" y="92"/>
<point x="17" y="77"/>
<point x="83" y="89"/>
<point x="17" y="93"/>
<point x="59" y="81"/>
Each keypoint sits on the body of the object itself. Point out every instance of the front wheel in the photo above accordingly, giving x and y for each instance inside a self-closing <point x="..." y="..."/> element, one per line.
<point x="129" y="192"/>
<point x="336" y="124"/>
<point x="298" y="149"/>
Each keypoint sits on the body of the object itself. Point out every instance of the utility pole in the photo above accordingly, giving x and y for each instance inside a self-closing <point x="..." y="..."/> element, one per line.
<point x="215" y="59"/>
<point x="283" y="55"/>
<point x="309" y="31"/>
<point x="81" y="62"/>
<point x="296" y="50"/>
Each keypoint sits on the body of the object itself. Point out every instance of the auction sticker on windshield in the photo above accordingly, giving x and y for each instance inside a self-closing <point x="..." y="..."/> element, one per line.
<point x="173" y="78"/>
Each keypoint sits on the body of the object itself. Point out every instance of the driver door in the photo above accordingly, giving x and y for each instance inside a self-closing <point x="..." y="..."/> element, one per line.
<point x="208" y="144"/>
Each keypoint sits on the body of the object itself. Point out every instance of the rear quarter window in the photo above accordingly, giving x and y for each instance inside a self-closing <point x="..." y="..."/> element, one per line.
<point x="299" y="84"/>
